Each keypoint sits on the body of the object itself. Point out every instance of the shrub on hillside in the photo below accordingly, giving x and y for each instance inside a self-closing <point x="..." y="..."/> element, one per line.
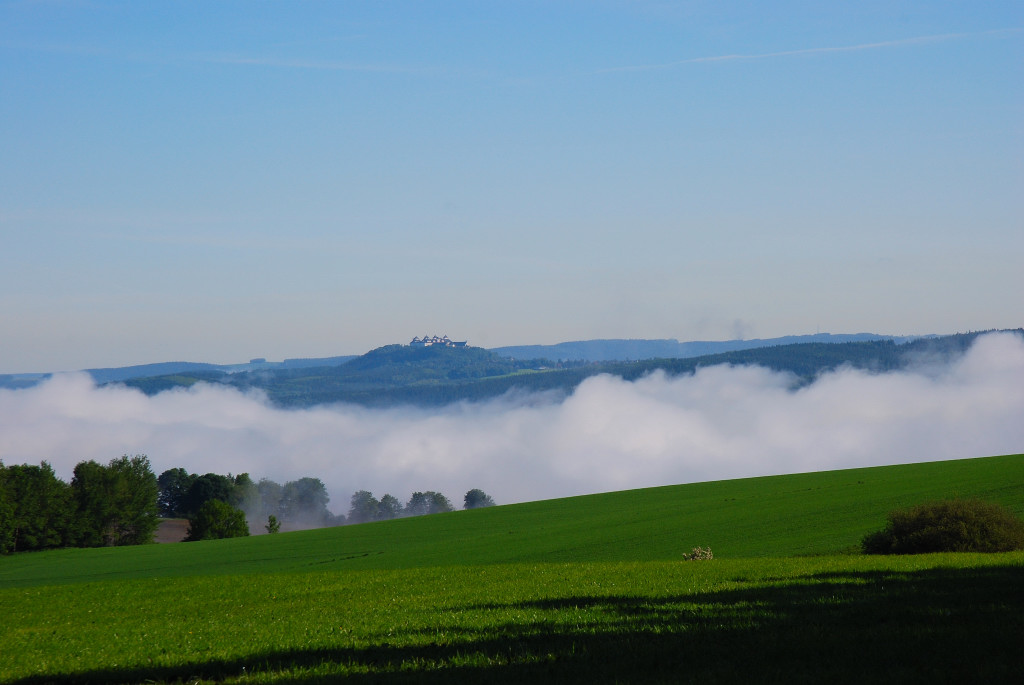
<point x="699" y="554"/>
<point x="948" y="526"/>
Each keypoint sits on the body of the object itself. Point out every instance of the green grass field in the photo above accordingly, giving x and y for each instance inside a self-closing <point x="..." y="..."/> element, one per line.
<point x="587" y="589"/>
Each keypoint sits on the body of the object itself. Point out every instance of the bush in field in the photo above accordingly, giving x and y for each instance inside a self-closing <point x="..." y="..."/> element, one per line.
<point x="699" y="554"/>
<point x="216" y="520"/>
<point x="948" y="526"/>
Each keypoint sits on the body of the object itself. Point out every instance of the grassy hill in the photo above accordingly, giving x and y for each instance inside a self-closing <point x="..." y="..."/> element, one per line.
<point x="586" y="590"/>
<point x="801" y="514"/>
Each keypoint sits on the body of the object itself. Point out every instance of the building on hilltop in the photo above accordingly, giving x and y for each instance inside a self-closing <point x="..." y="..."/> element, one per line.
<point x="428" y="340"/>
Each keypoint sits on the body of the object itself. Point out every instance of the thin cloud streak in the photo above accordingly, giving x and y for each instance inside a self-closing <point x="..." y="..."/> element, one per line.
<point x="719" y="423"/>
<point x="319" y="65"/>
<point x="918" y="40"/>
<point x="85" y="50"/>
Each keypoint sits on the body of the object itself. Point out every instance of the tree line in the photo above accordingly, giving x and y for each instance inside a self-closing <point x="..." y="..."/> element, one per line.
<point x="299" y="503"/>
<point x="122" y="503"/>
<point x="365" y="507"/>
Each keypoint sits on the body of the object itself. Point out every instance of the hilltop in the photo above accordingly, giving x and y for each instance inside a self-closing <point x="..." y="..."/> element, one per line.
<point x="438" y="375"/>
<point x="380" y="377"/>
<point x="578" y="351"/>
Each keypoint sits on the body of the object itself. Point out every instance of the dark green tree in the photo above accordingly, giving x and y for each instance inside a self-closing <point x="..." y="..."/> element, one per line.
<point x="389" y="508"/>
<point x="135" y="492"/>
<point x="215" y="520"/>
<point x="6" y="513"/>
<point x="206" y="487"/>
<point x="476" y="499"/>
<point x="429" y="502"/>
<point x="174" y="486"/>
<point x="364" y="507"/>
<point x="115" y="504"/>
<point x="439" y="504"/>
<point x="418" y="504"/>
<point x="273" y="525"/>
<point x="35" y="508"/>
<point x="93" y="501"/>
<point x="304" y="503"/>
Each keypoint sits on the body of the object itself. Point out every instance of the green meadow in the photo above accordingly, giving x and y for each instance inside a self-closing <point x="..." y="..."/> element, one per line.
<point x="584" y="589"/>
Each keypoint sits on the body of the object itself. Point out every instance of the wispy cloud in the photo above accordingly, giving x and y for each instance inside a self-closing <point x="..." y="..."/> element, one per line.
<point x="80" y="49"/>
<point x="902" y="42"/>
<point x="319" y="65"/>
<point x="241" y="60"/>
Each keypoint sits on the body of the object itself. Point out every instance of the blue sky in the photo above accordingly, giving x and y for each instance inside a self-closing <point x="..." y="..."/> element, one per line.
<point x="215" y="181"/>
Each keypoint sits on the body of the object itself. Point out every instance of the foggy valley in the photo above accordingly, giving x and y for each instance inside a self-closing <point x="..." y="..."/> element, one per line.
<point x="609" y="434"/>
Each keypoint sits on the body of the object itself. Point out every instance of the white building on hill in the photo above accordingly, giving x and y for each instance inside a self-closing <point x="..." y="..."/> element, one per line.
<point x="428" y="340"/>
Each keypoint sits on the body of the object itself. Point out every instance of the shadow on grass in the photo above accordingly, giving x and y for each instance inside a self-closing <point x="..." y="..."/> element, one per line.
<point x="934" y="626"/>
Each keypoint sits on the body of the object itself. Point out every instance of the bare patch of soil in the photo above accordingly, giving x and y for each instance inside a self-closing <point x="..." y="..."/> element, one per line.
<point x="171" y="530"/>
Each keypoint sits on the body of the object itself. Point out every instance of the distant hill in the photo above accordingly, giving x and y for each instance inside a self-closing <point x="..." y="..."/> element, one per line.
<point x="146" y="370"/>
<point x="629" y="350"/>
<point x="579" y="351"/>
<point x="435" y="376"/>
<point x="17" y="381"/>
<point x="124" y="373"/>
<point x="373" y="378"/>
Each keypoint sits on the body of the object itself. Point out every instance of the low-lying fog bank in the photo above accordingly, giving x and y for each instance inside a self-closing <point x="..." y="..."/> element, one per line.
<point x="723" y="422"/>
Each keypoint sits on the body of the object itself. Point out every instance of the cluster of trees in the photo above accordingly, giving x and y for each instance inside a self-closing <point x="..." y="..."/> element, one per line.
<point x="297" y="504"/>
<point x="122" y="502"/>
<point x="365" y="507"/>
<point x="107" y="505"/>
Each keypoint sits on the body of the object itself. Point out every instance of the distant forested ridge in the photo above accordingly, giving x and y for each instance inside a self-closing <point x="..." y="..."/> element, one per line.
<point x="169" y="368"/>
<point x="197" y="370"/>
<point x="435" y="376"/>
<point x="632" y="350"/>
